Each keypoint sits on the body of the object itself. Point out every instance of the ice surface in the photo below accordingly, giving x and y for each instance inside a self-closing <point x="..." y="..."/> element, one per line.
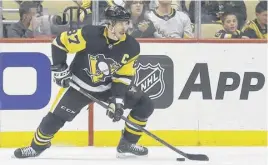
<point x="157" y="156"/>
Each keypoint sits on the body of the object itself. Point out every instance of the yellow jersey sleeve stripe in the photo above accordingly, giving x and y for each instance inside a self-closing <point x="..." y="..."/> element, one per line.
<point x="73" y="41"/>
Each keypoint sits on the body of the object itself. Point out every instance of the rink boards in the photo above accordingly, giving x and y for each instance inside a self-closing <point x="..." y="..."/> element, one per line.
<point x="209" y="94"/>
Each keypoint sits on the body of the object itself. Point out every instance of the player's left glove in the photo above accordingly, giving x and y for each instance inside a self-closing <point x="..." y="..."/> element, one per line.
<point x="116" y="109"/>
<point x="62" y="75"/>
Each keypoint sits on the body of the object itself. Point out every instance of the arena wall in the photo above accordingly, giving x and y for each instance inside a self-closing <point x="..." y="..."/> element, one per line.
<point x="207" y="93"/>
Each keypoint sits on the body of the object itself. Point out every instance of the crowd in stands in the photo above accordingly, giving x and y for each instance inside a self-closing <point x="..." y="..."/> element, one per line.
<point x="150" y="18"/>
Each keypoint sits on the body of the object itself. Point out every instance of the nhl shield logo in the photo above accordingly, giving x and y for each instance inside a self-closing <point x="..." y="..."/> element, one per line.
<point x="150" y="79"/>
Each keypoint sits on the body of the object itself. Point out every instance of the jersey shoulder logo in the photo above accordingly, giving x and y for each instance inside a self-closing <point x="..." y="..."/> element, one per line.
<point x="150" y="79"/>
<point x="101" y="68"/>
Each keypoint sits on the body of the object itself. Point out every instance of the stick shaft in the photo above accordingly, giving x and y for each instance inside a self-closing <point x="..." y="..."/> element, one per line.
<point x="126" y="119"/>
<point x="189" y="156"/>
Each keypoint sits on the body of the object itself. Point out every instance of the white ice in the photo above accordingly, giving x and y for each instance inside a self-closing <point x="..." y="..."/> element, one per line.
<point x="157" y="156"/>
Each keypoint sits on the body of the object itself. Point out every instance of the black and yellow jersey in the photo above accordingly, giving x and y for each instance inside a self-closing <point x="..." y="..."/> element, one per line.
<point x="88" y="3"/>
<point x="224" y="34"/>
<point x="253" y="30"/>
<point x="99" y="63"/>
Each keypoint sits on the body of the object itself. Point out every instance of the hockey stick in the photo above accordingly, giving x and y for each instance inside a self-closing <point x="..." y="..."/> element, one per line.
<point x="199" y="157"/>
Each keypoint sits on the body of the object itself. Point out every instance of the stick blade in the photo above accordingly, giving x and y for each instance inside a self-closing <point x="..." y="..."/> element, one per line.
<point x="199" y="157"/>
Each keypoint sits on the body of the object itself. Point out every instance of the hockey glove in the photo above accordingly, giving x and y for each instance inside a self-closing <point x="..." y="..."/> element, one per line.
<point x="115" y="110"/>
<point x="62" y="75"/>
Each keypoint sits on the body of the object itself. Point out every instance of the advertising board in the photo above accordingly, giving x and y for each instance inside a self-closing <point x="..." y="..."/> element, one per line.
<point x="205" y="94"/>
<point x="41" y="96"/>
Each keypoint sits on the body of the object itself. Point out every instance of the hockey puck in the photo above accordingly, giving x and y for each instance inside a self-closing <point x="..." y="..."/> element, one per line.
<point x="180" y="159"/>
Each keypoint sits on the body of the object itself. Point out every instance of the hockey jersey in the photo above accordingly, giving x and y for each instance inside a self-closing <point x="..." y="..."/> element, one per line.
<point x="100" y="63"/>
<point x="253" y="30"/>
<point x="175" y="25"/>
<point x="224" y="34"/>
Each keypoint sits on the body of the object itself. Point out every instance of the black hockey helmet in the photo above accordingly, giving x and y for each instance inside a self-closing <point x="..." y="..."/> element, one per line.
<point x="117" y="13"/>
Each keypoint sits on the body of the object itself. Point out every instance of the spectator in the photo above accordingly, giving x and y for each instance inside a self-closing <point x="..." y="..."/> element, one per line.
<point x="230" y="24"/>
<point x="120" y="2"/>
<point x="181" y="6"/>
<point x="5" y="26"/>
<point x="170" y="23"/>
<point x="236" y="7"/>
<point x="23" y="28"/>
<point x="140" y="27"/>
<point x="176" y="4"/>
<point x="257" y="28"/>
<point x="123" y="2"/>
<point x="87" y="4"/>
<point x="209" y="10"/>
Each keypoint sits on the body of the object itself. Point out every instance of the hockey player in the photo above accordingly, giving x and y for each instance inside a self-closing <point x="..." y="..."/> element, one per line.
<point x="104" y="66"/>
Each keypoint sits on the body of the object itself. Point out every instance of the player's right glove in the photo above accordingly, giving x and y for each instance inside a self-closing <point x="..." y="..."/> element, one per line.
<point x="115" y="110"/>
<point x="62" y="75"/>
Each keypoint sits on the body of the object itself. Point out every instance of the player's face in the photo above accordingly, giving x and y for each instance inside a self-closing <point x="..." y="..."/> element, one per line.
<point x="136" y="8"/>
<point x="230" y="23"/>
<point x="120" y="28"/>
<point x="262" y="17"/>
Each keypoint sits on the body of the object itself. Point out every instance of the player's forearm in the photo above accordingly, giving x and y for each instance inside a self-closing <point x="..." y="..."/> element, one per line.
<point x="59" y="56"/>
